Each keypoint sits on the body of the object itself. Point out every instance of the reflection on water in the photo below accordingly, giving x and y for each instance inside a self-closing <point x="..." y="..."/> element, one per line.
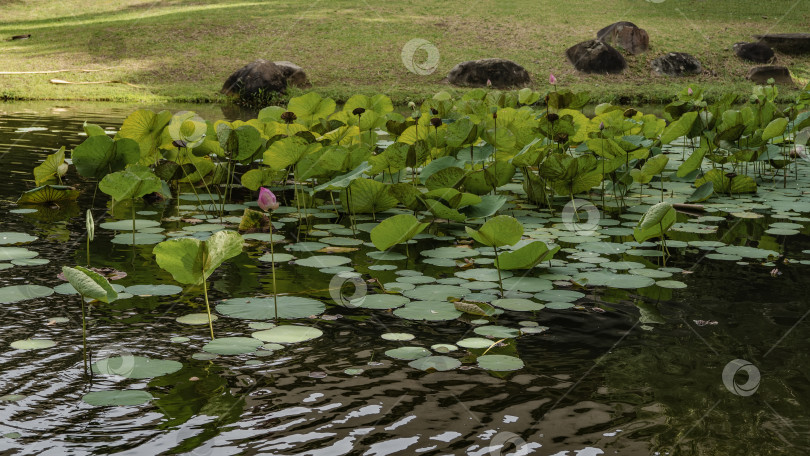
<point x="625" y="373"/>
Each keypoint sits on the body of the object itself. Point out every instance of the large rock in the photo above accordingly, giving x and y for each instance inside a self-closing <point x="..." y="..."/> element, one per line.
<point x="625" y="35"/>
<point x="263" y="77"/>
<point x="596" y="56"/>
<point x="788" y="43"/>
<point x="761" y="74"/>
<point x="501" y="73"/>
<point x="755" y="52"/>
<point x="676" y="64"/>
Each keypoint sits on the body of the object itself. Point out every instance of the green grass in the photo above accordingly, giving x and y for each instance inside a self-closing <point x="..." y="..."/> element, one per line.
<point x="181" y="51"/>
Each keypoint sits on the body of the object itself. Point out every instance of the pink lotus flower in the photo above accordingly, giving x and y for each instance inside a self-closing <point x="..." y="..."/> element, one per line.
<point x="689" y="90"/>
<point x="267" y="200"/>
<point x="551" y="79"/>
<point x="489" y="83"/>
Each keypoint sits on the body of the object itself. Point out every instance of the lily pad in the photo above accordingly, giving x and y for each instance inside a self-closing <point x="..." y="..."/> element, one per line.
<point x="196" y="319"/>
<point x="398" y="336"/>
<point x="437" y="363"/>
<point x="500" y="363"/>
<point x="496" y="331"/>
<point x="288" y="334"/>
<point x="7" y="237"/>
<point x="232" y="345"/>
<point x="153" y="290"/>
<point x="517" y="304"/>
<point x="16" y="293"/>
<point x="135" y="366"/>
<point x="323" y="261"/>
<point x="117" y="397"/>
<point x="408" y="353"/>
<point x="475" y="342"/>
<point x="428" y="311"/>
<point x="16" y="253"/>
<point x="289" y="307"/>
<point x="381" y="301"/>
<point x="437" y="292"/>
<point x="32" y="344"/>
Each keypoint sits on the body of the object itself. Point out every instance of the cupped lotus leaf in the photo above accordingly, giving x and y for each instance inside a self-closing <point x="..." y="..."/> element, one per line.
<point x="145" y="128"/>
<point x="187" y="128"/>
<point x="500" y="363"/>
<point x="498" y="231"/>
<point x="439" y="210"/>
<point x="655" y="222"/>
<point x="408" y="353"/>
<point x="344" y="180"/>
<point x="289" y="307"/>
<point x="526" y="257"/>
<point x="288" y="151"/>
<point x="130" y="366"/>
<point x="240" y="143"/>
<point x="16" y="293"/>
<point x="232" y="345"/>
<point x="655" y="165"/>
<point x="32" y="344"/>
<point x="775" y="128"/>
<point x="117" y="398"/>
<point x="695" y="159"/>
<point x="288" y="334"/>
<point x="191" y="261"/>
<point x="488" y="206"/>
<point x="435" y="363"/>
<point x="49" y="194"/>
<point x="92" y="129"/>
<point x="379" y="103"/>
<point x="428" y="311"/>
<point x="133" y="182"/>
<point x="396" y="230"/>
<point x="262" y="177"/>
<point x="367" y="196"/>
<point x="51" y="169"/>
<point x="310" y="108"/>
<point x="100" y="155"/>
<point x="724" y="184"/>
<point x="90" y="284"/>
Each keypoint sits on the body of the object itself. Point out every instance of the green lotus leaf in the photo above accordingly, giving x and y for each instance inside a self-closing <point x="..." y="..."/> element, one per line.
<point x="191" y="261"/>
<point x="367" y="197"/>
<point x="51" y="169"/>
<point x="310" y="108"/>
<point x="498" y="231"/>
<point x="145" y="127"/>
<point x="49" y="194"/>
<point x="396" y="230"/>
<point x="90" y="284"/>
<point x="525" y="257"/>
<point x="655" y="222"/>
<point x="133" y="182"/>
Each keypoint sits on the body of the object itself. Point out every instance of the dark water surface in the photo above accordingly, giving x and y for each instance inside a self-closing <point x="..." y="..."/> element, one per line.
<point x="606" y="378"/>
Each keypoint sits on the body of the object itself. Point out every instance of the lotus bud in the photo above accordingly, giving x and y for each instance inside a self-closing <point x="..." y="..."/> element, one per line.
<point x="689" y="91"/>
<point x="436" y="122"/>
<point x="411" y="105"/>
<point x="288" y="117"/>
<point x="489" y="83"/>
<point x="267" y="200"/>
<point x="551" y="79"/>
<point x="601" y="126"/>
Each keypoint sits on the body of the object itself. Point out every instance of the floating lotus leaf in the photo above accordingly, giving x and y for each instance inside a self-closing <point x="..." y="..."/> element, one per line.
<point x="496" y="331"/>
<point x="289" y="307"/>
<point x="232" y="345"/>
<point x="32" y="344"/>
<point x="7" y="237"/>
<point x="398" y="336"/>
<point x="435" y="363"/>
<point x="135" y="366"/>
<point x="323" y="261"/>
<point x="475" y="343"/>
<point x="408" y="353"/>
<point x="195" y="319"/>
<point x="517" y="304"/>
<point x="288" y="334"/>
<point x="117" y="398"/>
<point x="153" y="290"/>
<point x="500" y="363"/>
<point x="381" y="301"/>
<point x="428" y="311"/>
<point x="437" y="292"/>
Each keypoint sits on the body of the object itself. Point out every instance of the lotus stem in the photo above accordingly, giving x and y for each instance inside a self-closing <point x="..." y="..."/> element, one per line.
<point x="84" y="335"/>
<point x="273" y="268"/>
<point x="498" y="267"/>
<point x="207" y="305"/>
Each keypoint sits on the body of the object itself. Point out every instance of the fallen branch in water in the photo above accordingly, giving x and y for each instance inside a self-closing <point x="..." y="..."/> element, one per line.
<point x="60" y="81"/>
<point x="689" y="208"/>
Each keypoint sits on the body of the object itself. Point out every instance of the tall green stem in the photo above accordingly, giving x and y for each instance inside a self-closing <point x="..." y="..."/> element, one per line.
<point x="84" y="335"/>
<point x="498" y="267"/>
<point x="273" y="268"/>
<point x="205" y="293"/>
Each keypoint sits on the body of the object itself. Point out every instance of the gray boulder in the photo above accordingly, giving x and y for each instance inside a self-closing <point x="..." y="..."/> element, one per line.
<point x="755" y="52"/>
<point x="625" y="35"/>
<point x="501" y="73"/>
<point x="596" y="56"/>
<point x="676" y="64"/>
<point x="761" y="74"/>
<point x="263" y="77"/>
<point x="787" y="43"/>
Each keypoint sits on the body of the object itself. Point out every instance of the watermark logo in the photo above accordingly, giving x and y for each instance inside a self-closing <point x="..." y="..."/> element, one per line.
<point x="420" y="56"/>
<point x="348" y="289"/>
<point x="118" y="360"/>
<point x="730" y="372"/>
<point x="504" y="441"/>
<point x="581" y="217"/>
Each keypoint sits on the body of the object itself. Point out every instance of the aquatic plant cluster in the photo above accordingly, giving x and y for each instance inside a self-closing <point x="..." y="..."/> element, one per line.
<point x="518" y="201"/>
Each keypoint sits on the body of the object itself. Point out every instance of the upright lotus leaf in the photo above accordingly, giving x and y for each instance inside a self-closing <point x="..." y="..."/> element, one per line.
<point x="651" y="167"/>
<point x="446" y="178"/>
<point x="775" y="128"/>
<point x="239" y="143"/>
<point x="100" y="155"/>
<point x="310" y="108"/>
<point x="93" y="129"/>
<point x="191" y="261"/>
<point x="90" y="284"/>
<point x="680" y="127"/>
<point x="408" y="195"/>
<point x="396" y="230"/>
<point x="655" y="222"/>
<point x="379" y="104"/>
<point x="702" y="193"/>
<point x="367" y="197"/>
<point x="261" y="177"/>
<point x="525" y="257"/>
<point x="134" y="182"/>
<point x="145" y="127"/>
<point x="487" y="207"/>
<point x="438" y="209"/>
<point x="53" y="168"/>
<point x="724" y="184"/>
<point x="321" y="162"/>
<point x="498" y="231"/>
<point x="695" y="159"/>
<point x="344" y="180"/>
<point x="49" y="194"/>
<point x="462" y="132"/>
<point x="188" y="129"/>
<point x="288" y="152"/>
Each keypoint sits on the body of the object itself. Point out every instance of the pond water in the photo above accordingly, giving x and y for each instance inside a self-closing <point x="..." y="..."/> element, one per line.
<point x="607" y="370"/>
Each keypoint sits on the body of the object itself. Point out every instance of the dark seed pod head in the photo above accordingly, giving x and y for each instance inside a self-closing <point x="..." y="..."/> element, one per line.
<point x="434" y="111"/>
<point x="288" y="117"/>
<point x="630" y="113"/>
<point x="601" y="126"/>
<point x="358" y="111"/>
<point x="494" y="115"/>
<point x="731" y="175"/>
<point x="179" y="143"/>
<point x="552" y="117"/>
<point x="561" y="137"/>
<point x="436" y="122"/>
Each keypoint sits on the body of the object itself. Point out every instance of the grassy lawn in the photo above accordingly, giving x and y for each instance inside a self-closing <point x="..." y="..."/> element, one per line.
<point x="184" y="50"/>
